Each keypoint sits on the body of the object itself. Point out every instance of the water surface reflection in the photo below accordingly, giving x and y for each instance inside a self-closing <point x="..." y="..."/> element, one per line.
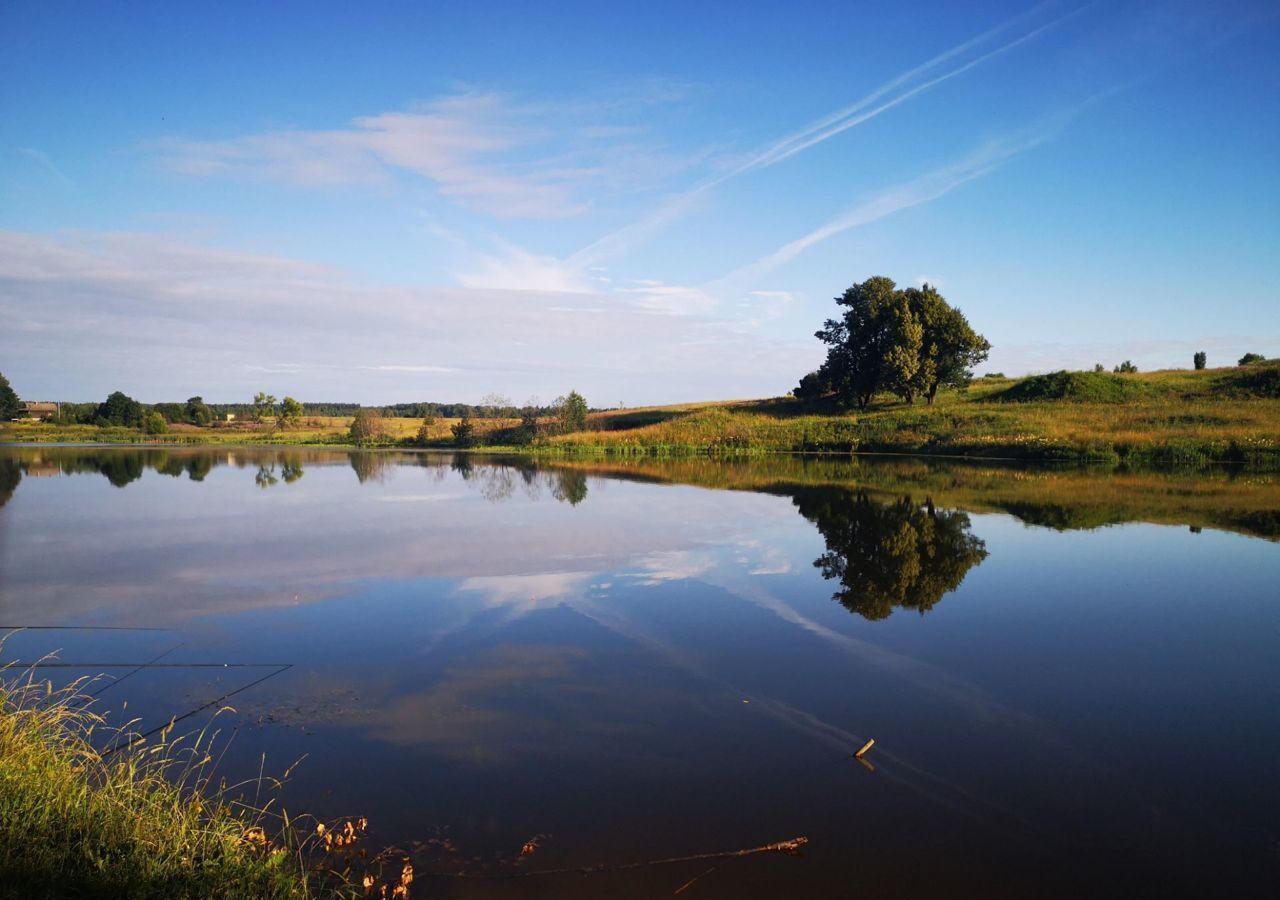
<point x="641" y="659"/>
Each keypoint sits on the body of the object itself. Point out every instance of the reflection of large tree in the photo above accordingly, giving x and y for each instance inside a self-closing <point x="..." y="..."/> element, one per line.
<point x="570" y="486"/>
<point x="889" y="554"/>
<point x="10" y="475"/>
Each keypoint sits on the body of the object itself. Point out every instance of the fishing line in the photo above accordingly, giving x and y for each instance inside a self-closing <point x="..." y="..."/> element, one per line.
<point x="281" y="667"/>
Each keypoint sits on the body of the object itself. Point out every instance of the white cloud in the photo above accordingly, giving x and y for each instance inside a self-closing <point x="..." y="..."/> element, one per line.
<point x="516" y="269"/>
<point x="672" y="299"/>
<point x="155" y="318"/>
<point x="482" y="150"/>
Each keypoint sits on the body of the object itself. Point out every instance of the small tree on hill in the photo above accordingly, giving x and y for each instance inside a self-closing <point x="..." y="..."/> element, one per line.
<point x="494" y="405"/>
<point x="1126" y="368"/>
<point x="10" y="405"/>
<point x="1251" y="358"/>
<point x="1199" y="360"/>
<point x="423" y="437"/>
<point x="464" y="433"/>
<point x="571" y="412"/>
<point x="290" y="412"/>
<point x="264" y="404"/>
<point x="197" y="412"/>
<point x="368" y="427"/>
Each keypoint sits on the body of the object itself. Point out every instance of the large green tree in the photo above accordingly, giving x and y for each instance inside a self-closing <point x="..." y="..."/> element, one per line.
<point x="949" y="347"/>
<point x="910" y="342"/>
<point x="860" y="341"/>
<point x="10" y="405"/>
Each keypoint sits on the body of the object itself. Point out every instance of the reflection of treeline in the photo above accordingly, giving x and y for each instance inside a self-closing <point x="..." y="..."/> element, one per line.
<point x="499" y="481"/>
<point x="1063" y="498"/>
<point x="887" y="554"/>
<point x="123" y="466"/>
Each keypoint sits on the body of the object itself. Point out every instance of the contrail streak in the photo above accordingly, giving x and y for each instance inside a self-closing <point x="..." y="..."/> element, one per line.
<point x="827" y="127"/>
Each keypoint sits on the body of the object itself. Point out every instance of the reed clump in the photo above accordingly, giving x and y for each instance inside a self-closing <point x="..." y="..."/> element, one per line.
<point x="81" y="819"/>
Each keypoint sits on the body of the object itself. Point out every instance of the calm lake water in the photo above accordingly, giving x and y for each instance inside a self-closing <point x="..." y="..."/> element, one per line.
<point x="1073" y="679"/>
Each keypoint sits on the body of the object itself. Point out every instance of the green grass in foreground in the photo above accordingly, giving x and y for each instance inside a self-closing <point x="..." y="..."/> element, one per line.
<point x="143" y="822"/>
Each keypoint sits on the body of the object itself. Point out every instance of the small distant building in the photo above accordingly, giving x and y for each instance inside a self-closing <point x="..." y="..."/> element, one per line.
<point x="32" y="409"/>
<point x="231" y="417"/>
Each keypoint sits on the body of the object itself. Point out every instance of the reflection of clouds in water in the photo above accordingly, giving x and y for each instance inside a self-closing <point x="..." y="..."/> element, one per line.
<point x="526" y="592"/>
<point x="166" y="551"/>
<point x="671" y="565"/>
<point x="494" y="708"/>
<point x="420" y="498"/>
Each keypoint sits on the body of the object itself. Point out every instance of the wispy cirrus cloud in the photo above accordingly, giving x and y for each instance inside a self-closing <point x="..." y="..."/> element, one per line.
<point x="902" y="88"/>
<point x="482" y="150"/>
<point x="42" y="159"/>
<point x="898" y="90"/>
<point x="914" y="192"/>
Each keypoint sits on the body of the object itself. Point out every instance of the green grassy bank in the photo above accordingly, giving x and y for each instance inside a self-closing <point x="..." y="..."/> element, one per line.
<point x="1160" y="418"/>
<point x="1178" y="417"/>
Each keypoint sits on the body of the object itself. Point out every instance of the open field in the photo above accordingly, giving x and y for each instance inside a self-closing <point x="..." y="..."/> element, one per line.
<point x="1178" y="417"/>
<point x="325" y="430"/>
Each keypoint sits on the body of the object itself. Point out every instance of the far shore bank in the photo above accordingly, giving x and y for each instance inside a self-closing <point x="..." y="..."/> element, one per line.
<point x="1175" y="418"/>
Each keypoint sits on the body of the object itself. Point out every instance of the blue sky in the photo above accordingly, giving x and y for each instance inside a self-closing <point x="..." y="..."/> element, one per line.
<point x="392" y="202"/>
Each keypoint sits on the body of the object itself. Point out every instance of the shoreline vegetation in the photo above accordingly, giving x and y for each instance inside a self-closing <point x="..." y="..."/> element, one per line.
<point x="1168" y="418"/>
<point x="89" y="811"/>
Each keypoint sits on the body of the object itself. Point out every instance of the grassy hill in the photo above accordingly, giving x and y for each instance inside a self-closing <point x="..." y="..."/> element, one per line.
<point x="1179" y="416"/>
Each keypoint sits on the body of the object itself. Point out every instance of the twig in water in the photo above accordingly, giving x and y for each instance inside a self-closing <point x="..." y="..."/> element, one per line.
<point x="688" y="884"/>
<point x="791" y="846"/>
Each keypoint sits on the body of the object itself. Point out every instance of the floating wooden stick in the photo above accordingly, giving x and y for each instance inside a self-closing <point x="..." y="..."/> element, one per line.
<point x="865" y="747"/>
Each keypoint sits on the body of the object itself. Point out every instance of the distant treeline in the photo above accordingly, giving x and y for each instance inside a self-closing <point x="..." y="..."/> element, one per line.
<point x="89" y="413"/>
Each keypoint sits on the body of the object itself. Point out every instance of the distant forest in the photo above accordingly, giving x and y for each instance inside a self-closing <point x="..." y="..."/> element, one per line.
<point x="176" y="412"/>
